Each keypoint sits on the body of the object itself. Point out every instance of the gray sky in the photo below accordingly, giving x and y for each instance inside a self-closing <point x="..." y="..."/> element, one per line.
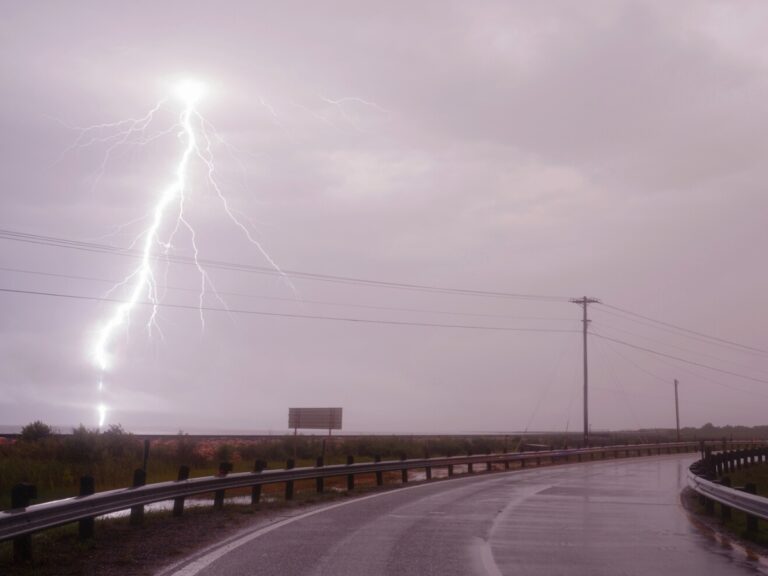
<point x="613" y="149"/>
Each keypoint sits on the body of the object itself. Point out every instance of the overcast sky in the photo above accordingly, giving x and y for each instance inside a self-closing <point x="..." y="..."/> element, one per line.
<point x="555" y="149"/>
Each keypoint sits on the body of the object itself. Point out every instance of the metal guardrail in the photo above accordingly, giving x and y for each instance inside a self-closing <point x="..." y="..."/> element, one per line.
<point x="713" y="464"/>
<point x="23" y="521"/>
<point x="736" y="499"/>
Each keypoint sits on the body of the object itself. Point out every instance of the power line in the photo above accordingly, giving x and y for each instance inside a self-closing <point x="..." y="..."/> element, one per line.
<point x="687" y="330"/>
<point x="656" y="352"/>
<point x="682" y="348"/>
<point x="687" y="370"/>
<point x="635" y="364"/>
<point x="288" y="315"/>
<point x="292" y="300"/>
<point x="240" y="267"/>
<point x="679" y="333"/>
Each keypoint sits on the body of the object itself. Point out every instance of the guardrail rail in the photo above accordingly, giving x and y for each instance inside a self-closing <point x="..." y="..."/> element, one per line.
<point x="20" y="522"/>
<point x="708" y="478"/>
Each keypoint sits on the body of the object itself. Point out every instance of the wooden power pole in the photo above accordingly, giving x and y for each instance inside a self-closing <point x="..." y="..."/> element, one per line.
<point x="677" y="412"/>
<point x="584" y="302"/>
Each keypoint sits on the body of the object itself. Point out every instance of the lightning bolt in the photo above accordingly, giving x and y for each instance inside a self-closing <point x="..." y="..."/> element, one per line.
<point x="140" y="285"/>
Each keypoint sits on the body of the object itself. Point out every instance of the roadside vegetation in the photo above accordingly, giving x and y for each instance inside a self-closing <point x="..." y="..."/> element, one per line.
<point x="54" y="462"/>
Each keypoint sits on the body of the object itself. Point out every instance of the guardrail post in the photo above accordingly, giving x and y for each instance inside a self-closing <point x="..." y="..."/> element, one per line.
<point x="427" y="469"/>
<point x="21" y="494"/>
<point x="258" y="467"/>
<point x="218" y="496"/>
<point x="725" y="510"/>
<point x="350" y="477"/>
<point x="488" y="466"/>
<point x="178" y="503"/>
<point x="289" y="464"/>
<point x="379" y="473"/>
<point x="320" y="481"/>
<point x="470" y="466"/>
<point x="404" y="471"/>
<point x="709" y="506"/>
<point x="450" y="470"/>
<point x="85" y="526"/>
<point x="137" y="512"/>
<point x="751" y="488"/>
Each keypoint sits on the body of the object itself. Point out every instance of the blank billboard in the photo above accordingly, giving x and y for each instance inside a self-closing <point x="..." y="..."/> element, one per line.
<point x="314" y="418"/>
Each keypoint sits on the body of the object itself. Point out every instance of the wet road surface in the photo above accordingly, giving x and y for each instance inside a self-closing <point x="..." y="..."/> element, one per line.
<point x="620" y="517"/>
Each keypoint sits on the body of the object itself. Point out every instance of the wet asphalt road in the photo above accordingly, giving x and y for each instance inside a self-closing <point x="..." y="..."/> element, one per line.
<point x="614" y="518"/>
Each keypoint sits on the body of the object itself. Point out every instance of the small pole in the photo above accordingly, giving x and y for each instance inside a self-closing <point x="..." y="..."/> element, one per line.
<point x="320" y="481"/>
<point x="677" y="412"/>
<point x="350" y="477"/>
<point x="137" y="512"/>
<point x="218" y="496"/>
<point x="85" y="526"/>
<point x="258" y="467"/>
<point x="379" y="473"/>
<point x="751" y="488"/>
<point x="178" y="503"/>
<point x="21" y="494"/>
<point x="289" y="465"/>
<point x="725" y="511"/>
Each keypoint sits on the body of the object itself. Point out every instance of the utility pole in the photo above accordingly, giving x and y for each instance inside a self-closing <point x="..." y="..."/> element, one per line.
<point x="584" y="302"/>
<point x="677" y="412"/>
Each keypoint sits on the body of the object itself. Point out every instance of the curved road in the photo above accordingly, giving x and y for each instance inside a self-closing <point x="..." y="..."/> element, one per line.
<point x="609" y="517"/>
